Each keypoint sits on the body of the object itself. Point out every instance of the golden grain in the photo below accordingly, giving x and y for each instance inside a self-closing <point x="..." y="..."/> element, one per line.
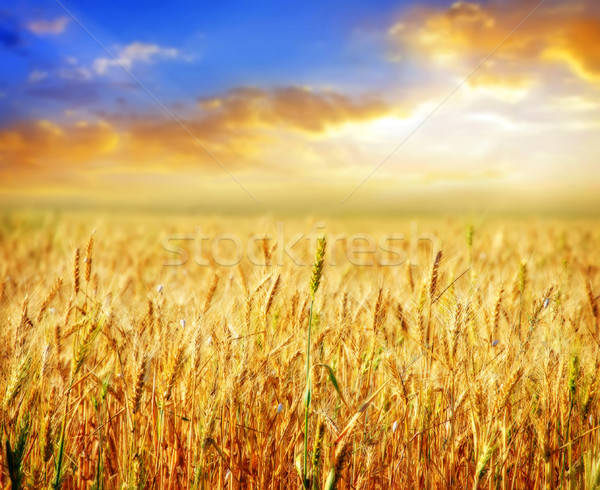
<point x="489" y="387"/>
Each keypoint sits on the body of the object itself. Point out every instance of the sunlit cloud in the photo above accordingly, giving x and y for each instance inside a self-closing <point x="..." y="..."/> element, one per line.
<point x="243" y="127"/>
<point x="504" y="86"/>
<point x="43" y="26"/>
<point x="50" y="148"/>
<point x="576" y="44"/>
<point x="291" y="107"/>
<point x="136" y="52"/>
<point x="463" y="34"/>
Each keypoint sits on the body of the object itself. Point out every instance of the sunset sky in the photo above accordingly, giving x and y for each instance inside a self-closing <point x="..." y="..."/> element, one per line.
<point x="270" y="105"/>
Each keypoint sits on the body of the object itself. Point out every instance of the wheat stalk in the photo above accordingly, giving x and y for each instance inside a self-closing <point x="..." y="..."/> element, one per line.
<point x="315" y="280"/>
<point x="49" y="297"/>
<point x="210" y="293"/>
<point x="76" y="273"/>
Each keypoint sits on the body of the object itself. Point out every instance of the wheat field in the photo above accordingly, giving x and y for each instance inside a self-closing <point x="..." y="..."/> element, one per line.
<point x="475" y="366"/>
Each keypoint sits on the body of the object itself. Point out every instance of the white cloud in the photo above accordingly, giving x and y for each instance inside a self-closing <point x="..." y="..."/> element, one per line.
<point x="77" y="74"/>
<point x="135" y="52"/>
<point x="37" y="76"/>
<point x="42" y="26"/>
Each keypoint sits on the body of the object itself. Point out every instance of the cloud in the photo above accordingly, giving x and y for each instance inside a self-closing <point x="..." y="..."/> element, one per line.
<point x="62" y="83"/>
<point x="292" y="133"/>
<point x="245" y="128"/>
<point x="272" y="139"/>
<point x="134" y="53"/>
<point x="290" y="107"/>
<point x="37" y="76"/>
<point x="576" y="44"/>
<point x="41" y="149"/>
<point x="77" y="73"/>
<point x="460" y="36"/>
<point x="55" y="27"/>
<point x="506" y="86"/>
<point x="75" y="88"/>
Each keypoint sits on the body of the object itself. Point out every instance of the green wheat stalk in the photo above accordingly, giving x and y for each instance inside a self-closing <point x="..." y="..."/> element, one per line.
<point x="317" y="270"/>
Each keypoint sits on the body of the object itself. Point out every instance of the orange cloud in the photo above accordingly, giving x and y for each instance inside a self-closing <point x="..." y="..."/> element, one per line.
<point x="468" y="32"/>
<point x="37" y="145"/>
<point x="577" y="45"/>
<point x="238" y="128"/>
<point x="292" y="107"/>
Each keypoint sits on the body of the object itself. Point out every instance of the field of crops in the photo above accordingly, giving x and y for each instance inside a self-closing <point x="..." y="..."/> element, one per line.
<point x="143" y="352"/>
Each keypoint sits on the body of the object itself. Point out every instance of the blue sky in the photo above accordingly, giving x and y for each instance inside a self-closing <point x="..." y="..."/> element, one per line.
<point x="223" y="45"/>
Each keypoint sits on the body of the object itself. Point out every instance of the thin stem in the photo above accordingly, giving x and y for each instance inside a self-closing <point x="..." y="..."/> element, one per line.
<point x="307" y="399"/>
<point x="61" y="447"/>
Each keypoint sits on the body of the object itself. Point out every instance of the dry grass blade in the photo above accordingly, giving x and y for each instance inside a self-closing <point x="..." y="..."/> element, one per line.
<point x="357" y="415"/>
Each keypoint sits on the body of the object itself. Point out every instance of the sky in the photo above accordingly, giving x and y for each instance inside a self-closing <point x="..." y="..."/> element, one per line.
<point x="338" y="105"/>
